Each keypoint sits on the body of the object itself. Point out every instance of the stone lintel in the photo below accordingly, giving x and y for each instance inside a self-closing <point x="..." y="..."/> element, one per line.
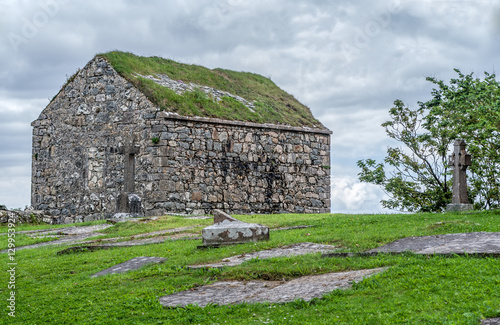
<point x="459" y="207"/>
<point x="174" y="116"/>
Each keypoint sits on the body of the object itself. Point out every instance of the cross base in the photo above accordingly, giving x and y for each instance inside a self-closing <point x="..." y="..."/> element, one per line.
<point x="459" y="207"/>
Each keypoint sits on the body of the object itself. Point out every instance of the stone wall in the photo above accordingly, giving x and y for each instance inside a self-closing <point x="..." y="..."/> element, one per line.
<point x="204" y="164"/>
<point x="79" y="143"/>
<point x="31" y="217"/>
<point x="93" y="145"/>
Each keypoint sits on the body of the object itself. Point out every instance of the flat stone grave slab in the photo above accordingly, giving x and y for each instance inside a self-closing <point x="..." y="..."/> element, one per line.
<point x="129" y="265"/>
<point x="290" y="250"/>
<point x="70" y="235"/>
<point x="469" y="243"/>
<point x="112" y="242"/>
<point x="163" y="232"/>
<point x="293" y="227"/>
<point x="70" y="231"/>
<point x="135" y="219"/>
<point x="234" y="292"/>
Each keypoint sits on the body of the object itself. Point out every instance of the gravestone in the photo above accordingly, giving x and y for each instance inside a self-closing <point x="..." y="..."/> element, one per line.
<point x="227" y="230"/>
<point x="286" y="251"/>
<point x="460" y="160"/>
<point x="237" y="292"/>
<point x="130" y="265"/>
<point x="485" y="243"/>
<point x="135" y="205"/>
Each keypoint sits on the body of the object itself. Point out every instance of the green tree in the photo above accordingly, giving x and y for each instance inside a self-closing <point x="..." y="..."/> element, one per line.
<point x="469" y="108"/>
<point x="420" y="178"/>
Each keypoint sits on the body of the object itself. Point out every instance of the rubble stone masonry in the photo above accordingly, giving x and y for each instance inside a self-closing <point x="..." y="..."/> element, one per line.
<point x="101" y="139"/>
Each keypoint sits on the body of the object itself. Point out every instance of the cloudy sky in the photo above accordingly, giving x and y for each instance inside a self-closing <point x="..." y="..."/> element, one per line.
<point x="347" y="60"/>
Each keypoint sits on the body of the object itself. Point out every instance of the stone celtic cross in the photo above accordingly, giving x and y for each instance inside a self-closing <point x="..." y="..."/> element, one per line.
<point x="459" y="160"/>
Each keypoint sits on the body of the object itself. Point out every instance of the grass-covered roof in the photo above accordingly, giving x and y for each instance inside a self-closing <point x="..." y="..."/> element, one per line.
<point x="272" y="105"/>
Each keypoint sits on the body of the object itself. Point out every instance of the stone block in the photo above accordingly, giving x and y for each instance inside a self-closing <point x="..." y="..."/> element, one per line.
<point x="227" y="230"/>
<point x="459" y="207"/>
<point x="197" y="196"/>
<point x="68" y="220"/>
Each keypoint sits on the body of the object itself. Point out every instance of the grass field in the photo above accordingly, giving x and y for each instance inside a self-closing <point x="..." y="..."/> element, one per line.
<point x="58" y="289"/>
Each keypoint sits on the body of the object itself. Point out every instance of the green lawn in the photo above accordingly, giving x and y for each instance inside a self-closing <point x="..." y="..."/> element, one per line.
<point x="57" y="289"/>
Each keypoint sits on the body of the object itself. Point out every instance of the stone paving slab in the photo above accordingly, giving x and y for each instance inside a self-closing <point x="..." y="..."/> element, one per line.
<point x="290" y="250"/>
<point x="491" y="321"/>
<point x="470" y="243"/>
<point x="234" y="292"/>
<point x="130" y="265"/>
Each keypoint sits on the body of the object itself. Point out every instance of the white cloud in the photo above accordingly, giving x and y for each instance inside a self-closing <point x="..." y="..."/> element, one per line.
<point x="348" y="196"/>
<point x="15" y="185"/>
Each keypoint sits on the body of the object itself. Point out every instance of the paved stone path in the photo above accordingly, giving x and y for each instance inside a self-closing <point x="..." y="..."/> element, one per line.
<point x="129" y="265"/>
<point x="491" y="321"/>
<point x="290" y="250"/>
<point x="470" y="243"/>
<point x="233" y="292"/>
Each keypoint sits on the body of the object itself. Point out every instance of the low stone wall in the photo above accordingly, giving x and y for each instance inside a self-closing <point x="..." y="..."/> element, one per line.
<point x="33" y="217"/>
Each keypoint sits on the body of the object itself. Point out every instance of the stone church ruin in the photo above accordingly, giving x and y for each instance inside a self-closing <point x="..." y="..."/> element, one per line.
<point x="150" y="136"/>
